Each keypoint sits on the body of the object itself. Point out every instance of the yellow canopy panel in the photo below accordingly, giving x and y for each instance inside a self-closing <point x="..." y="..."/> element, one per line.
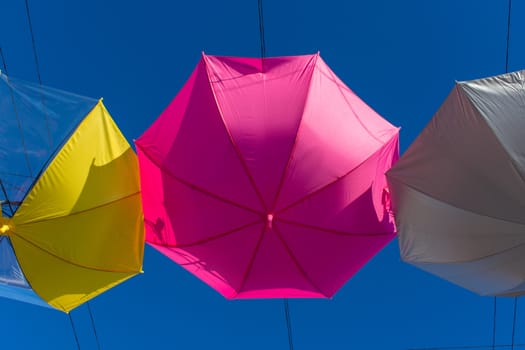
<point x="80" y="229"/>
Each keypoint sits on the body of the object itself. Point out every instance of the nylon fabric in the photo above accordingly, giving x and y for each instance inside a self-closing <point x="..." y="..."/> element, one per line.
<point x="36" y="120"/>
<point x="458" y="192"/>
<point x="13" y="284"/>
<point x="259" y="173"/>
<point x="80" y="230"/>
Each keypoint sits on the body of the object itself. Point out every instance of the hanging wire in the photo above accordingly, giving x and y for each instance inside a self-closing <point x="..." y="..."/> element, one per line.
<point x="508" y="38"/>
<point x="288" y="323"/>
<point x="494" y="325"/>
<point x="506" y="71"/>
<point x="468" y="347"/>
<point x="4" y="64"/>
<point x="261" y="29"/>
<point x="263" y="55"/>
<point x="514" y="321"/>
<point x="22" y="139"/>
<point x="93" y="325"/>
<point x="74" y="330"/>
<point x="33" y="42"/>
<point x="37" y="64"/>
<point x="7" y="201"/>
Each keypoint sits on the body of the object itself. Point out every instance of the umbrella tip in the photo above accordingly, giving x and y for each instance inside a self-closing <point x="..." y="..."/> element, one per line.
<point x="269" y="221"/>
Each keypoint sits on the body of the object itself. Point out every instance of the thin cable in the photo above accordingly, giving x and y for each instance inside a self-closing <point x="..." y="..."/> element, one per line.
<point x="514" y="321"/>
<point x="508" y="38"/>
<point x="494" y="326"/>
<point x="74" y="330"/>
<point x="37" y="64"/>
<point x="19" y="123"/>
<point x="465" y="347"/>
<point x="93" y="325"/>
<point x="261" y="29"/>
<point x="33" y="42"/>
<point x="6" y="197"/>
<point x="3" y="61"/>
<point x="288" y="323"/>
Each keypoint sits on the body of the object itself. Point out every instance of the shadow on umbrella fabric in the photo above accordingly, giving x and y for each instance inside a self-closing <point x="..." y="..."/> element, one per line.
<point x="265" y="178"/>
<point x="76" y="229"/>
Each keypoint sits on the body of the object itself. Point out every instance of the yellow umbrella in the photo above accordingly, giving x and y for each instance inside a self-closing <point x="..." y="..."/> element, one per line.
<point x="78" y="230"/>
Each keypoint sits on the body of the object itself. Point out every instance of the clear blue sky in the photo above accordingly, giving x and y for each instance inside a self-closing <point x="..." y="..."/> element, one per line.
<point x="401" y="57"/>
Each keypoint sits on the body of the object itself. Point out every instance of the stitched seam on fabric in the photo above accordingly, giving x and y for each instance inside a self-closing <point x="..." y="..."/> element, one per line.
<point x="236" y="149"/>
<point x="496" y="136"/>
<point x="353" y="111"/>
<point x="392" y="177"/>
<point x="336" y="232"/>
<point x="206" y="240"/>
<point x="195" y="187"/>
<point x="294" y="144"/>
<point x="296" y="262"/>
<point x="250" y="263"/>
<point x="81" y="211"/>
<point x="71" y="262"/>
<point x="322" y="188"/>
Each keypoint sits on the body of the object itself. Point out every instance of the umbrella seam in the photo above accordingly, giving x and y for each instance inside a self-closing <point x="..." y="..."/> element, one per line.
<point x="494" y="131"/>
<point x="230" y="137"/>
<point x="59" y="148"/>
<point x="391" y="177"/>
<point x="25" y="278"/>
<point x="294" y="145"/>
<point x="195" y="187"/>
<point x="15" y="174"/>
<point x="322" y="188"/>
<point x="207" y="240"/>
<point x="336" y="232"/>
<point x="81" y="211"/>
<point x="68" y="261"/>
<point x="352" y="109"/>
<point x="296" y="262"/>
<point x="250" y="263"/>
<point x="466" y="261"/>
<point x="220" y="80"/>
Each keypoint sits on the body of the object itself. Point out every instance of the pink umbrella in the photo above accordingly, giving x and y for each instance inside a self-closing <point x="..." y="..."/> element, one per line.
<point x="265" y="177"/>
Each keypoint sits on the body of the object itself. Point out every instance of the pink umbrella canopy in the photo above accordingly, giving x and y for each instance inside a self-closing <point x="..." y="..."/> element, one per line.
<point x="265" y="178"/>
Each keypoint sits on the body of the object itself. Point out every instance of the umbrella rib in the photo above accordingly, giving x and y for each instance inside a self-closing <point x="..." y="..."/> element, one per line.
<point x="212" y="238"/>
<point x="352" y="109"/>
<point x="490" y="125"/>
<point x="296" y="262"/>
<point x="337" y="232"/>
<point x="230" y="137"/>
<point x="322" y="188"/>
<point x="68" y="261"/>
<point x="15" y="174"/>
<point x="195" y="187"/>
<point x="294" y="145"/>
<point x="391" y="177"/>
<point x="6" y="198"/>
<point x="250" y="263"/>
<point x="468" y="261"/>
<point x="82" y="211"/>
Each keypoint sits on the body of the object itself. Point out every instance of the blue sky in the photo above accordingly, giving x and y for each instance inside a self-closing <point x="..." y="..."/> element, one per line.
<point x="401" y="57"/>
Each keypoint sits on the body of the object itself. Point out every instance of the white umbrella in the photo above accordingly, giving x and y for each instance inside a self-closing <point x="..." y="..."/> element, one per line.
<point x="458" y="192"/>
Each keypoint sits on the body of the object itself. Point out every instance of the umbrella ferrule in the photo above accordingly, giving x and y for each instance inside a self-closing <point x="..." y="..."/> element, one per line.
<point x="269" y="221"/>
<point x="6" y="225"/>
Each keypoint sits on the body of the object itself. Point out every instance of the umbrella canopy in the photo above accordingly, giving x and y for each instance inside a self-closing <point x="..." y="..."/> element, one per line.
<point x="265" y="177"/>
<point x="458" y="191"/>
<point x="71" y="224"/>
